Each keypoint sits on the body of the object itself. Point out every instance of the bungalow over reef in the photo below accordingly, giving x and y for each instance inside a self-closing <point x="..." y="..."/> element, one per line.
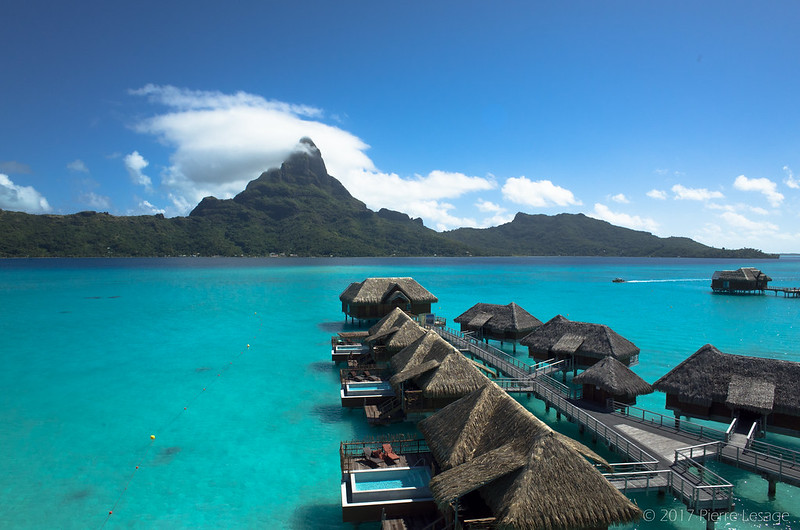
<point x="508" y="323"/>
<point x="609" y="379"/>
<point x="581" y="342"/>
<point x="374" y="298"/>
<point x="740" y="281"/>
<point x="430" y="374"/>
<point x="392" y="333"/>
<point x="720" y="386"/>
<point x="501" y="467"/>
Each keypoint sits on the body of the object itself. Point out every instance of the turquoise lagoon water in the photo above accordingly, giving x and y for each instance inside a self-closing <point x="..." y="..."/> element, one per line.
<point x="226" y="362"/>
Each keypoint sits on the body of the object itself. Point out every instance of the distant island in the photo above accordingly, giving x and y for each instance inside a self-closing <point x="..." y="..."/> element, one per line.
<point x="300" y="210"/>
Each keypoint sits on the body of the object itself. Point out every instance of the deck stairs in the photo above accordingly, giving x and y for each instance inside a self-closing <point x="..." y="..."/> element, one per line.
<point x="389" y="411"/>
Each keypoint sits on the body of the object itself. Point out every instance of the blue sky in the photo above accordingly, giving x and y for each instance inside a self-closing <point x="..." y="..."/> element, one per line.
<point x="678" y="118"/>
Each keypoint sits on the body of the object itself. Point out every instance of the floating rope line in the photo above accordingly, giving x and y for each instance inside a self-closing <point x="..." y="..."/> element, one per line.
<point x="174" y="419"/>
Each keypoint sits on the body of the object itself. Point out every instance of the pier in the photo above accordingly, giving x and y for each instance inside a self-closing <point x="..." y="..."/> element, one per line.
<point x="788" y="292"/>
<point x="661" y="452"/>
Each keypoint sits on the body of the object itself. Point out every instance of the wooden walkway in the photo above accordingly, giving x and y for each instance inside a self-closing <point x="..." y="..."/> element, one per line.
<point x="660" y="452"/>
<point x="788" y="292"/>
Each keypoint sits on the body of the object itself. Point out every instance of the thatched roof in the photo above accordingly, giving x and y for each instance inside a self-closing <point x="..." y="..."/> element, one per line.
<point x="381" y="290"/>
<point x="428" y="346"/>
<point x="707" y="376"/>
<point x="529" y="475"/>
<point x="436" y="367"/>
<point x="756" y="395"/>
<point x="745" y="274"/>
<point x="396" y="330"/>
<point x="396" y="318"/>
<point x="615" y="378"/>
<point x="560" y="335"/>
<point x="499" y="318"/>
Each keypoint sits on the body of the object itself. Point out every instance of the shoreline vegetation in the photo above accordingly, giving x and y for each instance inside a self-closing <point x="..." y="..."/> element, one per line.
<point x="300" y="210"/>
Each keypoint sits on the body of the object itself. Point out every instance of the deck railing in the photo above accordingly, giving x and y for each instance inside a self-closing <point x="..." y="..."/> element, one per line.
<point x="774" y="451"/>
<point x="634" y="479"/>
<point x="498" y="358"/>
<point x="402" y="444"/>
<point x="611" y="437"/>
<point x="669" y="422"/>
<point x="708" y="490"/>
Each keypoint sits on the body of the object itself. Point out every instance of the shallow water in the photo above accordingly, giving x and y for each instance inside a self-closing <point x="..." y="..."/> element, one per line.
<point x="227" y="363"/>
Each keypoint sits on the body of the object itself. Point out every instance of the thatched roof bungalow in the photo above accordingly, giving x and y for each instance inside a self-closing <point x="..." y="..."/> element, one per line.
<point x="610" y="379"/>
<point x="375" y="298"/>
<point x="500" y="462"/>
<point x="583" y="342"/>
<point x="430" y="374"/>
<point x="392" y="333"/>
<point x="506" y="323"/>
<point x="720" y="386"/>
<point x="744" y="280"/>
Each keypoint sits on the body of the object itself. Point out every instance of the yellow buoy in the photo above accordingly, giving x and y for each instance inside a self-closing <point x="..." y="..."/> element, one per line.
<point x="152" y="436"/>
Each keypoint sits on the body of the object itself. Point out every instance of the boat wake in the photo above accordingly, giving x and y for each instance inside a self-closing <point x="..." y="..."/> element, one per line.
<point x="667" y="281"/>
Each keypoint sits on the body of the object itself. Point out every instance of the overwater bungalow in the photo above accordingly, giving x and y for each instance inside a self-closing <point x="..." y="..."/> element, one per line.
<point x="583" y="343"/>
<point x="506" y="323"/>
<point x="375" y="298"/>
<point x="430" y="374"/>
<point x="392" y="333"/>
<point x="719" y="386"/>
<point x="386" y="478"/>
<point x="741" y="281"/>
<point x="608" y="381"/>
<point x="501" y="467"/>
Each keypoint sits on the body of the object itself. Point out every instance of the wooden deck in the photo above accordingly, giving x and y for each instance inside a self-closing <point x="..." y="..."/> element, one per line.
<point x="788" y="292"/>
<point x="654" y="444"/>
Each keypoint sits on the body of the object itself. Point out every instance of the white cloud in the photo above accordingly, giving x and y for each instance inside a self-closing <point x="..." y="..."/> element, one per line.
<point x="657" y="194"/>
<point x="761" y="185"/>
<point x="790" y="180"/>
<point x="437" y="215"/>
<point x="78" y="166"/>
<point x="135" y="163"/>
<point x="620" y="198"/>
<point x="601" y="211"/>
<point x="737" y="208"/>
<point x="740" y="222"/>
<point x="96" y="202"/>
<point x="21" y="198"/>
<point x="501" y="215"/>
<point x="221" y="142"/>
<point x="539" y="193"/>
<point x="695" y="194"/>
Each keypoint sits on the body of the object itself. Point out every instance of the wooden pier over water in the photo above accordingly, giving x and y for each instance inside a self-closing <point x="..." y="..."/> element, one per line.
<point x="662" y="452"/>
<point x="788" y="292"/>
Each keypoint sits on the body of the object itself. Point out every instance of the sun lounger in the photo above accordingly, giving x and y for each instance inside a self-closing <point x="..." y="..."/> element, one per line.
<point x="389" y="455"/>
<point x="372" y="458"/>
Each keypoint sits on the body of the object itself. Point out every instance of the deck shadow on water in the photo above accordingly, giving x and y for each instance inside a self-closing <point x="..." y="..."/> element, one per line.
<point x="324" y="516"/>
<point x="329" y="413"/>
<point x="322" y="366"/>
<point x="335" y="327"/>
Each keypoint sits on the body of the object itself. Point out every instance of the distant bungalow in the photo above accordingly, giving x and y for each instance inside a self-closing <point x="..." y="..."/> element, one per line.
<point x="583" y="343"/>
<point x="506" y="323"/>
<point x="744" y="280"/>
<point x="719" y="386"/>
<point x="374" y="298"/>
<point x="501" y="467"/>
<point x="609" y="379"/>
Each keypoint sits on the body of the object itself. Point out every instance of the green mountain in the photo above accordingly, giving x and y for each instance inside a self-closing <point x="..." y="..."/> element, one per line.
<point x="577" y="235"/>
<point x="299" y="209"/>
